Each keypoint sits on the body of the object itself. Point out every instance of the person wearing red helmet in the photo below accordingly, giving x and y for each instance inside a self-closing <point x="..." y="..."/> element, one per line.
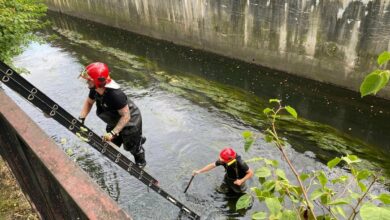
<point x="237" y="171"/>
<point x="122" y="116"/>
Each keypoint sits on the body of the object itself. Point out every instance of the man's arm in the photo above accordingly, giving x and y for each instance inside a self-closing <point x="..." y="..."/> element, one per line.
<point x="86" y="107"/>
<point x="205" y="169"/>
<point x="125" y="118"/>
<point x="248" y="175"/>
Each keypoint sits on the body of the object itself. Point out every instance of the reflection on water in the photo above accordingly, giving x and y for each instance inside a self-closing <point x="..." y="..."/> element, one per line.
<point x="193" y="104"/>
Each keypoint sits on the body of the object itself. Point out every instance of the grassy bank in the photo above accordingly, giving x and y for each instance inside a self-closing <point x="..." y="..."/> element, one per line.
<point x="13" y="203"/>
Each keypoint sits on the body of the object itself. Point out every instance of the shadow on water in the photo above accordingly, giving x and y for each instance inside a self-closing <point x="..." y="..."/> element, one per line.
<point x="333" y="121"/>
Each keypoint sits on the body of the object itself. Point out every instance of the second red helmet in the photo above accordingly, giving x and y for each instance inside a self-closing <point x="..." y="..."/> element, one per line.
<point x="227" y="154"/>
<point x="98" y="73"/>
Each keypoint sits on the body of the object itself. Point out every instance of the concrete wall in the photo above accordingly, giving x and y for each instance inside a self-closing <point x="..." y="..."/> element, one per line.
<point x="334" y="41"/>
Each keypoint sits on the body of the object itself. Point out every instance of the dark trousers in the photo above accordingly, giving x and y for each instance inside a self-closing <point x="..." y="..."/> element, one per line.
<point x="132" y="140"/>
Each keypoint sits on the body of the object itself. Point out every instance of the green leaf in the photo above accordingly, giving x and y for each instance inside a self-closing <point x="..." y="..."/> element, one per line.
<point x="334" y="162"/>
<point x="354" y="195"/>
<point x="280" y="173"/>
<point x="340" y="179"/>
<point x="325" y="217"/>
<point x="248" y="144"/>
<point x="255" y="159"/>
<point x="245" y="201"/>
<point x="325" y="199"/>
<point x="363" y="174"/>
<point x="374" y="82"/>
<point x="292" y="111"/>
<point x="322" y="178"/>
<point x="354" y="171"/>
<point x="297" y="190"/>
<point x="273" y="163"/>
<point x="266" y="111"/>
<point x="371" y="83"/>
<point x="268" y="138"/>
<point x="316" y="194"/>
<point x="247" y="134"/>
<point x="385" y="198"/>
<point x="340" y="211"/>
<point x="362" y="186"/>
<point x="273" y="205"/>
<point x="274" y="100"/>
<point x="340" y="201"/>
<point x="371" y="212"/>
<point x="351" y="159"/>
<point x="259" y="215"/>
<point x="293" y="199"/>
<point x="263" y="172"/>
<point x="262" y="180"/>
<point x="354" y="158"/>
<point x="383" y="57"/>
<point x="278" y="186"/>
<point x="304" y="176"/>
<point x="268" y="185"/>
<point x="259" y="194"/>
<point x="249" y="140"/>
<point x="289" y="215"/>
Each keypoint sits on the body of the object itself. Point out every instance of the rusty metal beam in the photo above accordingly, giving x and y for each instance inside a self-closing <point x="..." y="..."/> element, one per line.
<point x="58" y="188"/>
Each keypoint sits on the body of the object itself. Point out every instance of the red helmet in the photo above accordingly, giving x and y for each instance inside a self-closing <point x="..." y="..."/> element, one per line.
<point x="227" y="154"/>
<point x="98" y="73"/>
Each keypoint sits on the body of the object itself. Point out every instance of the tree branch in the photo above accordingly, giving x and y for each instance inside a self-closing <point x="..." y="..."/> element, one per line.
<point x="354" y="213"/>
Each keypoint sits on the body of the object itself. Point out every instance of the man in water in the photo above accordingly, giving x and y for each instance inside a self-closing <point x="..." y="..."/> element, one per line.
<point x="237" y="171"/>
<point x="123" y="118"/>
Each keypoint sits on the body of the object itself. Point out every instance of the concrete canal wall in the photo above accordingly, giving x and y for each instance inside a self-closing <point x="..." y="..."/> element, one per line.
<point x="333" y="41"/>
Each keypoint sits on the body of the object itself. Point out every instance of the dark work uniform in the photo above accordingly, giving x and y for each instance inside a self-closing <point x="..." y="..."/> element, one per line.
<point x="235" y="171"/>
<point x="107" y="106"/>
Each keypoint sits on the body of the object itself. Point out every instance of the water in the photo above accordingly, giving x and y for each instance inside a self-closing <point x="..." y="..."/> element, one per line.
<point x="193" y="104"/>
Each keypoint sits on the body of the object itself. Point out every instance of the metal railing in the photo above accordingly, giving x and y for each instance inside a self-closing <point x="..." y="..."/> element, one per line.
<point x="55" y="185"/>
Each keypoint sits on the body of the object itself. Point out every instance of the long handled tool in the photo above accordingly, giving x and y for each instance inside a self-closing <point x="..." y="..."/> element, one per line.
<point x="189" y="183"/>
<point x="24" y="88"/>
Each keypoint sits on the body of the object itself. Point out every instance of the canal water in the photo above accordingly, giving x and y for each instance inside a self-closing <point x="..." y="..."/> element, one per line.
<point x="193" y="104"/>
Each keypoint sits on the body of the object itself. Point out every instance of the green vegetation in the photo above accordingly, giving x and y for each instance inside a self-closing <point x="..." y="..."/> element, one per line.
<point x="18" y="21"/>
<point x="334" y="197"/>
<point x="377" y="79"/>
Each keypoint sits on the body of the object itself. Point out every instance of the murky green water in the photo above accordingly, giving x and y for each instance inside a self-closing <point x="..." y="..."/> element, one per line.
<point x="193" y="104"/>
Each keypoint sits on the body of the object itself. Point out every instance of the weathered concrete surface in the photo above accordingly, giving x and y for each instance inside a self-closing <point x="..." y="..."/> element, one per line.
<point x="334" y="41"/>
<point x="58" y="188"/>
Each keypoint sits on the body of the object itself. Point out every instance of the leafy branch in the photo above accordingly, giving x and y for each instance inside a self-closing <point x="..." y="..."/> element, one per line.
<point x="377" y="79"/>
<point x="314" y="189"/>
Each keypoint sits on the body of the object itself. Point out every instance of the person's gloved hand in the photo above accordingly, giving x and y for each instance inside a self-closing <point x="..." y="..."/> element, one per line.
<point x="82" y="120"/>
<point x="108" y="136"/>
<point x="195" y="172"/>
